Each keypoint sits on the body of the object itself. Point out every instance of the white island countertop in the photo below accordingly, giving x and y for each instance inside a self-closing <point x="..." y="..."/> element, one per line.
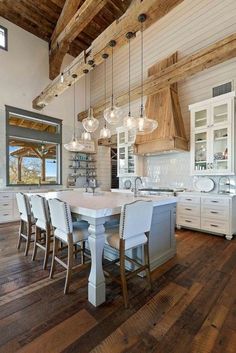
<point x="103" y="203"/>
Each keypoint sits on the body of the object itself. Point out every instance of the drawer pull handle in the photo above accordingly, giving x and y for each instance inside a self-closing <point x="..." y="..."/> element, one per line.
<point x="6" y="214"/>
<point x="189" y="200"/>
<point x="214" y="201"/>
<point x="6" y="204"/>
<point x="188" y="209"/>
<point x="214" y="225"/>
<point x="6" y="197"/>
<point x="214" y="212"/>
<point x="186" y="220"/>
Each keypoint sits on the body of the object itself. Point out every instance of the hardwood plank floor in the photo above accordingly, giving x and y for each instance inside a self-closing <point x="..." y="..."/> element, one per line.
<point x="191" y="309"/>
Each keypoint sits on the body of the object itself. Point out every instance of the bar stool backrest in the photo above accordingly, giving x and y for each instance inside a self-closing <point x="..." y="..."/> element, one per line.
<point x="23" y="205"/>
<point x="40" y="211"/>
<point x="136" y="218"/>
<point x="61" y="218"/>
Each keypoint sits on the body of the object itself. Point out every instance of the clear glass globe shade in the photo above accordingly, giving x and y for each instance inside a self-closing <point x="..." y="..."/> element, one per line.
<point x="86" y="136"/>
<point x="130" y="122"/>
<point x="113" y="115"/>
<point x="105" y="133"/>
<point x="90" y="123"/>
<point x="74" y="145"/>
<point x="145" y="125"/>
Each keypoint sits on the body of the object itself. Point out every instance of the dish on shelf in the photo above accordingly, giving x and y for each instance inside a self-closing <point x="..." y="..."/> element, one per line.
<point x="204" y="184"/>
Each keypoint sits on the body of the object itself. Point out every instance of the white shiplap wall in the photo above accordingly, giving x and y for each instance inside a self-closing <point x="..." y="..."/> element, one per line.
<point x="192" y="25"/>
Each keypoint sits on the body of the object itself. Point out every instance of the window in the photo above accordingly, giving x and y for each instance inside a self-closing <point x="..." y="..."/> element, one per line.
<point x="33" y="148"/>
<point x="3" y="38"/>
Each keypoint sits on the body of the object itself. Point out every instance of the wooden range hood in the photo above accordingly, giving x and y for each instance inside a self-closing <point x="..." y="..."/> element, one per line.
<point x="165" y="108"/>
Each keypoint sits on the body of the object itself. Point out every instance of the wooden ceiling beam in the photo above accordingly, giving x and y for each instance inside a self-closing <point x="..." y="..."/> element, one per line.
<point x="215" y="54"/>
<point x="61" y="40"/>
<point x="154" y="9"/>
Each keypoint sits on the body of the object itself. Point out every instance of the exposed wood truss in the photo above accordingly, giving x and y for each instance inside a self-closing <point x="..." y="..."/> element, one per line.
<point x="40" y="17"/>
<point x="61" y="39"/>
<point x="154" y="9"/>
<point x="215" y="54"/>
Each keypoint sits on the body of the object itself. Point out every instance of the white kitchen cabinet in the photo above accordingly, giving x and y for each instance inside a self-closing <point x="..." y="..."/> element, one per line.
<point x="212" y="136"/>
<point x="211" y="213"/>
<point x="128" y="163"/>
<point x="8" y="207"/>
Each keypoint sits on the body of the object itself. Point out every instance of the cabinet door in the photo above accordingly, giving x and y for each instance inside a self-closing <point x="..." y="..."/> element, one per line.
<point x="221" y="112"/>
<point x="121" y="138"/>
<point x="200" y="153"/>
<point x="221" y="149"/>
<point x="130" y="160"/>
<point x="200" y="118"/>
<point x="122" y="165"/>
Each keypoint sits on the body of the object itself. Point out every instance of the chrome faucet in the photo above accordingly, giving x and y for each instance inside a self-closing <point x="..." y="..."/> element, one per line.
<point x="135" y="186"/>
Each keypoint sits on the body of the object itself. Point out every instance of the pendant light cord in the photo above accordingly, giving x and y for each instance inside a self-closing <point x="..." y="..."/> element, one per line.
<point x="129" y="114"/>
<point x="112" y="79"/>
<point x="89" y="89"/>
<point x="85" y="94"/>
<point x="74" y="110"/>
<point x="105" y="86"/>
<point x="141" y="110"/>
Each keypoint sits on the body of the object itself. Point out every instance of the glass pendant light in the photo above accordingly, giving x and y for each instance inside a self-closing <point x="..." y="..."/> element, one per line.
<point x="90" y="123"/>
<point x="86" y="136"/>
<point x="105" y="131"/>
<point x="74" y="145"/>
<point x="144" y="124"/>
<point x="112" y="114"/>
<point x="130" y="122"/>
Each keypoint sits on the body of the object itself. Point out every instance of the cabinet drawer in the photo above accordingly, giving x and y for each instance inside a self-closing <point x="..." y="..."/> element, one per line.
<point x="189" y="199"/>
<point x="215" y="212"/>
<point x="6" y="204"/>
<point x="215" y="201"/>
<point x="6" y="216"/>
<point x="188" y="209"/>
<point x="188" y="221"/>
<point x="6" y="196"/>
<point x="215" y="226"/>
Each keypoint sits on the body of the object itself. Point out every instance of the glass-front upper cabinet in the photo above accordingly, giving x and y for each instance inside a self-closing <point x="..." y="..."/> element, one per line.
<point x="212" y="144"/>
<point x="200" y="118"/>
<point x="128" y="163"/>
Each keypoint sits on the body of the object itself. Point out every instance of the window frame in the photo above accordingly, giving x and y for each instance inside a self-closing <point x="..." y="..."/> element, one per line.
<point x="6" y="38"/>
<point x="31" y="134"/>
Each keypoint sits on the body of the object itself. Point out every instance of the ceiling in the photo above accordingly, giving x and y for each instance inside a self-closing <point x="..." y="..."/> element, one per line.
<point x="40" y="17"/>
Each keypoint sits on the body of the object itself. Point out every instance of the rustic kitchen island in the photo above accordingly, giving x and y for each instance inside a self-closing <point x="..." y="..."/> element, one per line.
<point x="99" y="208"/>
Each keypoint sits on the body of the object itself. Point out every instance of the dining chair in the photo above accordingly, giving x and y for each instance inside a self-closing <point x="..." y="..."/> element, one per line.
<point x="43" y="229"/>
<point x="68" y="232"/>
<point x="27" y="221"/>
<point x="133" y="231"/>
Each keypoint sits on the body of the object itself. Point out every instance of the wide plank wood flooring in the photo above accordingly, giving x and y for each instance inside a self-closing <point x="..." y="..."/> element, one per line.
<point x="192" y="308"/>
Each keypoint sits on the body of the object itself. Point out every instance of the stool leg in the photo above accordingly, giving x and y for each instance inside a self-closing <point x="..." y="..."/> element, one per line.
<point x="69" y="265"/>
<point x="20" y="231"/>
<point x="29" y="231"/>
<point x="122" y="272"/>
<point x="35" y="243"/>
<point x="47" y="248"/>
<point x="55" y="253"/>
<point x="82" y="252"/>
<point x="147" y="263"/>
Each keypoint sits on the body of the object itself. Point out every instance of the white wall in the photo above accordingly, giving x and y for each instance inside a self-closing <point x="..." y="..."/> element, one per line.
<point x="189" y="27"/>
<point x="23" y="74"/>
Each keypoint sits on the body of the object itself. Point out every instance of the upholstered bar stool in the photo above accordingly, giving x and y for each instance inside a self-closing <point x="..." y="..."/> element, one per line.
<point x="69" y="233"/>
<point x="43" y="229"/>
<point x="26" y="221"/>
<point x="135" y="224"/>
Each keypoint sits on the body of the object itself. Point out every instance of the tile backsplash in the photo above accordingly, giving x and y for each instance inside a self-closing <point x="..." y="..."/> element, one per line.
<point x="172" y="171"/>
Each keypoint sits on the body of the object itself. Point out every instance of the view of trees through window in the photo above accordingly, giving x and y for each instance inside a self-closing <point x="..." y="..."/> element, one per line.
<point x="33" y="147"/>
<point x="32" y="162"/>
<point x="3" y="38"/>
